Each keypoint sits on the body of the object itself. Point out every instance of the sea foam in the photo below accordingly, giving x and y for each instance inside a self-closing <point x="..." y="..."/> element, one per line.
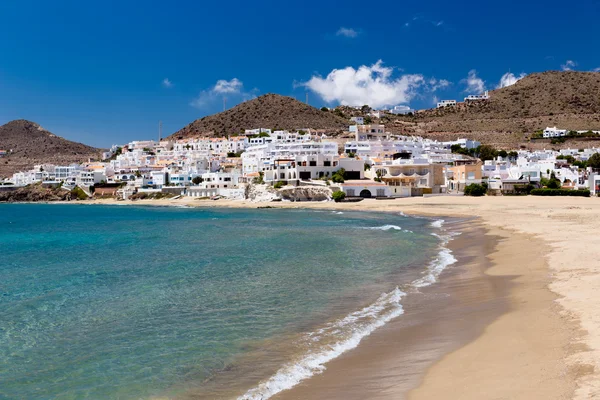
<point x="386" y="228"/>
<point x="352" y="329"/>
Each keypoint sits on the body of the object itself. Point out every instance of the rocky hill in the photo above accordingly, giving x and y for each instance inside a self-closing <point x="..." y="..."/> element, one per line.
<point x="268" y="111"/>
<point x="569" y="100"/>
<point x="29" y="144"/>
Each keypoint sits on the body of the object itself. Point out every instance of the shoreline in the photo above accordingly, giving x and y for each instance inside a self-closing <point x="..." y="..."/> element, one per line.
<point x="564" y="234"/>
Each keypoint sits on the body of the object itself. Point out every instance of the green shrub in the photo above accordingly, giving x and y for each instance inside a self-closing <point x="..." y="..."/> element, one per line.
<point x="278" y="185"/>
<point x="560" y="192"/>
<point x="338" y="196"/>
<point x="338" y="176"/>
<point x="78" y="193"/>
<point x="475" y="189"/>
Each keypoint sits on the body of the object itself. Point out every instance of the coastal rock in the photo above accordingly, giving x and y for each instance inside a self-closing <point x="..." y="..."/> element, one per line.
<point x="261" y="193"/>
<point x="33" y="193"/>
<point x="306" y="193"/>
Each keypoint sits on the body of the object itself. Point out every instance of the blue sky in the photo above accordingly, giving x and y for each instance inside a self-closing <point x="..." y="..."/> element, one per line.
<point x="107" y="72"/>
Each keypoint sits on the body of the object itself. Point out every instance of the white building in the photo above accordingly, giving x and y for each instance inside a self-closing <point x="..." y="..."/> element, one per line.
<point x="477" y="97"/>
<point x="358" y="120"/>
<point x="446" y="103"/>
<point x="554" y="132"/>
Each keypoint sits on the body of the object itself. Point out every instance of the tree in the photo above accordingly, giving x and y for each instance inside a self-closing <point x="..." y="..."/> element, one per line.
<point x="502" y="153"/>
<point x="351" y="155"/>
<point x="338" y="196"/>
<point x="487" y="152"/>
<point x="324" y="109"/>
<point x="594" y="161"/>
<point x="278" y="185"/>
<point x="197" y="180"/>
<point x="367" y="167"/>
<point x="513" y="155"/>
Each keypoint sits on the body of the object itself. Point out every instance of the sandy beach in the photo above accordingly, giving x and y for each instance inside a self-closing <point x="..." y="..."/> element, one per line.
<point x="544" y="344"/>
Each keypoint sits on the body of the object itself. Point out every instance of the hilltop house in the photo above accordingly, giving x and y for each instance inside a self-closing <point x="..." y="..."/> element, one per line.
<point x="446" y="103"/>
<point x="477" y="97"/>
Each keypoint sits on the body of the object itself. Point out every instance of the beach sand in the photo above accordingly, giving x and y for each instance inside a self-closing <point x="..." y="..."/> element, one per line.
<point x="545" y="344"/>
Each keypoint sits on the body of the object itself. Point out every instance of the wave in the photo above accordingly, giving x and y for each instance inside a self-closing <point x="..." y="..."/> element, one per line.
<point x="444" y="259"/>
<point x="435" y="268"/>
<point x="386" y="228"/>
<point x="437" y="223"/>
<point x="352" y="329"/>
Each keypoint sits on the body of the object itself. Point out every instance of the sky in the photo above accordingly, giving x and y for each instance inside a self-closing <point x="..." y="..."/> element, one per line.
<point x="106" y="72"/>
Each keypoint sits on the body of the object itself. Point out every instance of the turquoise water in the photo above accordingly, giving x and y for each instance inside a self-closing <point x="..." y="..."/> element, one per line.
<point x="100" y="302"/>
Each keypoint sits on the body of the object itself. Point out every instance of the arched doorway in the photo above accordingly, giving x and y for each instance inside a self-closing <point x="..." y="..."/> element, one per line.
<point x="365" y="193"/>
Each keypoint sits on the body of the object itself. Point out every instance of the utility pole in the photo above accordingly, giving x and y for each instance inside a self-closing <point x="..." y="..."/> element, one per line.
<point x="159" y="130"/>
<point x="307" y="97"/>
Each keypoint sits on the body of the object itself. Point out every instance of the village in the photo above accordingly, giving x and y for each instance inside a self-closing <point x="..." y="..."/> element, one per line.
<point x="376" y="164"/>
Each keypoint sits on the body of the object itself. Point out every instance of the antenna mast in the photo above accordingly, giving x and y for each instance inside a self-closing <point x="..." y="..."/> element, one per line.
<point x="159" y="130"/>
<point x="307" y="97"/>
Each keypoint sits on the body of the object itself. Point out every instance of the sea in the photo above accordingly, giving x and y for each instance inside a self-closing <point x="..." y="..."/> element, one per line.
<point x="128" y="302"/>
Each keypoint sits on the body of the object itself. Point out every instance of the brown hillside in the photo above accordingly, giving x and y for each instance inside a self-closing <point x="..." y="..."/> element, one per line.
<point x="29" y="144"/>
<point x="268" y="111"/>
<point x="570" y="100"/>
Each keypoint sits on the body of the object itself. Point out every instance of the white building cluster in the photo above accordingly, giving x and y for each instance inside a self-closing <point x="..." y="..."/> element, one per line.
<point x="375" y="163"/>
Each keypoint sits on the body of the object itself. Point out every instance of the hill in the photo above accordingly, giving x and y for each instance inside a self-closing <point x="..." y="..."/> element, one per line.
<point x="29" y="144"/>
<point x="567" y="99"/>
<point x="267" y="111"/>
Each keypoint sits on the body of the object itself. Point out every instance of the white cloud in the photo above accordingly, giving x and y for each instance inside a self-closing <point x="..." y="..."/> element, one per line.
<point x="372" y="85"/>
<point x="437" y="84"/>
<point x="439" y="23"/>
<point x="167" y="83"/>
<point x="568" y="65"/>
<point x="596" y="69"/>
<point x="223" y="86"/>
<point x="509" y="79"/>
<point x="233" y="90"/>
<point x="475" y="85"/>
<point x="347" y="32"/>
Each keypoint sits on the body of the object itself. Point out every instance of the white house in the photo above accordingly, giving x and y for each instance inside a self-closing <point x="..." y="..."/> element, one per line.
<point x="554" y="132"/>
<point x="358" y="120"/>
<point x="477" y="97"/>
<point x="365" y="188"/>
<point x="446" y="103"/>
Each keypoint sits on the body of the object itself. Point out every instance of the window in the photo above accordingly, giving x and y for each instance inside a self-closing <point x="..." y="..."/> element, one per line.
<point x="470" y="175"/>
<point x="327" y="163"/>
<point x="380" y="192"/>
<point x="282" y="175"/>
<point x="350" y="192"/>
<point x="313" y="163"/>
